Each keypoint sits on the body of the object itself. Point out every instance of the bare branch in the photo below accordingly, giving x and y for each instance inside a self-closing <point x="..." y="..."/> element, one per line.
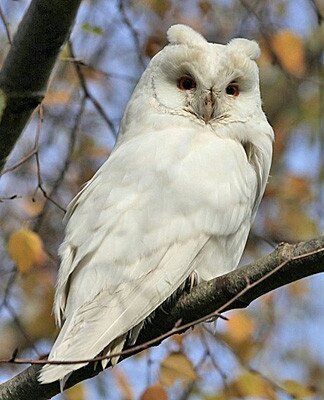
<point x="284" y="265"/>
<point x="87" y="93"/>
<point x="28" y="65"/>
<point x="133" y="32"/>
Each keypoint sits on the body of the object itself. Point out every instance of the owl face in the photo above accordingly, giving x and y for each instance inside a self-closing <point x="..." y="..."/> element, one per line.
<point x="206" y="82"/>
<point x="192" y="83"/>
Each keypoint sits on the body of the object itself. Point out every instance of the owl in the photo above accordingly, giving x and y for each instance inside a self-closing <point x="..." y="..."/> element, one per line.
<point x="175" y="199"/>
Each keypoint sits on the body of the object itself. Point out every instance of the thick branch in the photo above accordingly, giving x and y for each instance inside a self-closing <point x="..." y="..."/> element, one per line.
<point x="27" y="67"/>
<point x="286" y="264"/>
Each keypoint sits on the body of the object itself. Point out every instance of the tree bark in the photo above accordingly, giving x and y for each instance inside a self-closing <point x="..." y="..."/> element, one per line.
<point x="236" y="289"/>
<point x="27" y="67"/>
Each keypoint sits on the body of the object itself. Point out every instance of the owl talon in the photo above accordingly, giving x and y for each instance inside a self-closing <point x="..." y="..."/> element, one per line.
<point x="193" y="280"/>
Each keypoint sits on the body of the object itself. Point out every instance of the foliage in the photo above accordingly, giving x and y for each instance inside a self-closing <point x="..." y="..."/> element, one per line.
<point x="272" y="351"/>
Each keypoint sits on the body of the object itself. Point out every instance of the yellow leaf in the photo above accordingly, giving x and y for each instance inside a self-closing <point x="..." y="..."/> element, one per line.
<point x="178" y="339"/>
<point x="240" y="327"/>
<point x="176" y="367"/>
<point x="289" y="50"/>
<point x="250" y="384"/>
<point x="75" y="393"/>
<point x="154" y="392"/>
<point x="26" y="249"/>
<point x="296" y="389"/>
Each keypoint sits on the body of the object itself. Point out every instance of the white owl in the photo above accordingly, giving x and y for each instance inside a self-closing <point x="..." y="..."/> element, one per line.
<point x="177" y="196"/>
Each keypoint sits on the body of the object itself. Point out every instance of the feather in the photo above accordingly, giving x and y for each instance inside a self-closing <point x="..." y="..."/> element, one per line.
<point x="106" y="318"/>
<point x="176" y="195"/>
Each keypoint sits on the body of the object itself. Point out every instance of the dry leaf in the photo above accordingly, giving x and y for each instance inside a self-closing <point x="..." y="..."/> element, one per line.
<point x="240" y="327"/>
<point x="57" y="97"/>
<point x="289" y="50"/>
<point x="25" y="247"/>
<point x="176" y="367"/>
<point x="76" y="392"/>
<point x="250" y="384"/>
<point x="297" y="389"/>
<point x="154" y="392"/>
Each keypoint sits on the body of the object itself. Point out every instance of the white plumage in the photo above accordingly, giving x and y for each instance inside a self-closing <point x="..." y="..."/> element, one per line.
<point x="178" y="194"/>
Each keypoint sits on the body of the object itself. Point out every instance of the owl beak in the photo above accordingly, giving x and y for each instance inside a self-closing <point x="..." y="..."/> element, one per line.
<point x="208" y="107"/>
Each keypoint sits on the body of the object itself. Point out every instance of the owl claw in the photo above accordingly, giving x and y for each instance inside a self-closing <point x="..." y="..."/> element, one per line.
<point x="193" y="280"/>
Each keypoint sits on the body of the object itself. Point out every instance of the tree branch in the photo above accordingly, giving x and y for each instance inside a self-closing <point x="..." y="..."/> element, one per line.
<point x="236" y="289"/>
<point x="27" y="67"/>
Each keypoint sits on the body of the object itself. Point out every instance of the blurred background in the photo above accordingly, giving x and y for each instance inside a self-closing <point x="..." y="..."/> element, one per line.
<point x="272" y="350"/>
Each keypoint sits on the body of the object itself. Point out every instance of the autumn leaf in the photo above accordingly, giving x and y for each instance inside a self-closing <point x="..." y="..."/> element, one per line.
<point x="178" y="339"/>
<point x="176" y="367"/>
<point x="155" y="392"/>
<point x="289" y="49"/>
<point x="251" y="384"/>
<point x="239" y="335"/>
<point x="57" y="97"/>
<point x="296" y="389"/>
<point x="240" y="327"/>
<point x="76" y="392"/>
<point x="25" y="247"/>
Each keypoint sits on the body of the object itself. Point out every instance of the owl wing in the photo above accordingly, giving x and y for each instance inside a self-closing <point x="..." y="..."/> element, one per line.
<point x="134" y="233"/>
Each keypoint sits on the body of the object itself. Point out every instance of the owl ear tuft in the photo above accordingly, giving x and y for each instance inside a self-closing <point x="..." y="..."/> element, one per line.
<point x="183" y="34"/>
<point x="249" y="47"/>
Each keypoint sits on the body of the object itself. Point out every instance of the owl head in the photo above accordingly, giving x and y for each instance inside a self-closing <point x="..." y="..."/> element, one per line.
<point x="197" y="83"/>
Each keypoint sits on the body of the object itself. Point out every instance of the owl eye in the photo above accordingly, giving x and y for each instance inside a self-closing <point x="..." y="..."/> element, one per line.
<point x="233" y="89"/>
<point x="186" y="83"/>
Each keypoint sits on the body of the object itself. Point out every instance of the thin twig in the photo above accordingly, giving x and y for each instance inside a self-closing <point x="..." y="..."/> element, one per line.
<point x="87" y="93"/>
<point x="178" y="327"/>
<point x="68" y="159"/>
<point x="107" y="75"/>
<point x="14" y="196"/>
<point x="246" y="366"/>
<point x="212" y="359"/>
<point x="19" y="163"/>
<point x="268" y="41"/>
<point x="40" y="185"/>
<point x="133" y="32"/>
